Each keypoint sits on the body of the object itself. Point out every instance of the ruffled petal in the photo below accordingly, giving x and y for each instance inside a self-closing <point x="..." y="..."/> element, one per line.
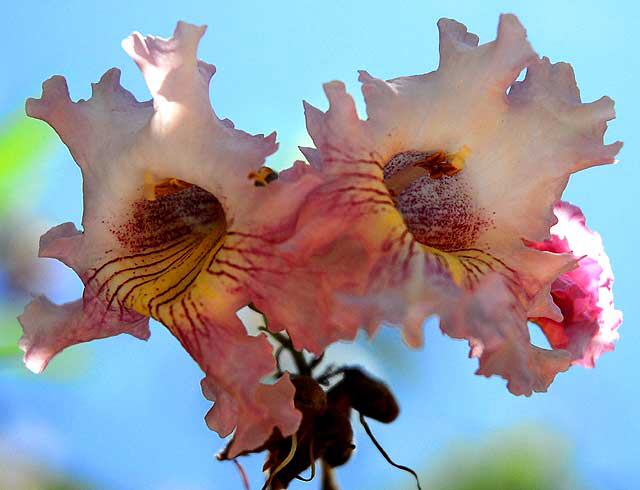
<point x="50" y="328"/>
<point x="584" y="295"/>
<point x="261" y="409"/>
<point x="490" y="318"/>
<point x="189" y="142"/>
<point x="495" y="324"/>
<point x="63" y="242"/>
<point x="176" y="223"/>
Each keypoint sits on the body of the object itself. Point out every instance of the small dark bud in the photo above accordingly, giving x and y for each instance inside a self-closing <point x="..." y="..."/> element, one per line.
<point x="310" y="397"/>
<point x="369" y="396"/>
<point x="335" y="435"/>
<point x="339" y="398"/>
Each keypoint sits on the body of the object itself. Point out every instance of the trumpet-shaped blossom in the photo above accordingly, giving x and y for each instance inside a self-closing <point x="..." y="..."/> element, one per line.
<point x="427" y="206"/>
<point x="584" y="294"/>
<point x="175" y="226"/>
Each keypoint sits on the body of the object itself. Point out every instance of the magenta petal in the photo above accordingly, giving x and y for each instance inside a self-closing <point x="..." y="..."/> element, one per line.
<point x="584" y="294"/>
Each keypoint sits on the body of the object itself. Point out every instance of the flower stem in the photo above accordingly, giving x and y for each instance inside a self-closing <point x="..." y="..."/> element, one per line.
<point x="328" y="480"/>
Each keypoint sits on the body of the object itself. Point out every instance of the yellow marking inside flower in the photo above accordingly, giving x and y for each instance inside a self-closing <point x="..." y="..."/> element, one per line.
<point x="467" y="266"/>
<point x="168" y="240"/>
<point x="435" y="165"/>
<point x="155" y="297"/>
<point x="452" y="263"/>
<point x="263" y="176"/>
<point x="154" y="188"/>
<point x="458" y="159"/>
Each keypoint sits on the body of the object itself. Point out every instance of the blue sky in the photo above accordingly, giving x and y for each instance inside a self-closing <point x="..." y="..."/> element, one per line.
<point x="133" y="419"/>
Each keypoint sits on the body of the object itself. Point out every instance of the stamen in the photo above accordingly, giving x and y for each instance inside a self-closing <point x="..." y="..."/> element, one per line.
<point x="313" y="465"/>
<point x="167" y="187"/>
<point x="285" y="462"/>
<point x="436" y="165"/>
<point x="457" y="159"/>
<point x="149" y="186"/>
<point x="154" y="188"/>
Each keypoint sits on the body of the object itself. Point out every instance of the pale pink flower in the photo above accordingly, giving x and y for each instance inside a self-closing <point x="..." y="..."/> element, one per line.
<point x="584" y="294"/>
<point x="174" y="227"/>
<point x="426" y="204"/>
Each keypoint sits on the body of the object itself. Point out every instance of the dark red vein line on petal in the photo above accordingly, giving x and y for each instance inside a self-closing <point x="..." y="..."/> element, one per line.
<point x="135" y="256"/>
<point x="108" y="280"/>
<point x="195" y="268"/>
<point x="153" y="275"/>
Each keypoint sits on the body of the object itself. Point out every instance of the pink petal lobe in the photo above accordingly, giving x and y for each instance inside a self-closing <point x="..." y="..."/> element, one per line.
<point x="270" y="406"/>
<point x="454" y="37"/>
<point x="494" y="323"/>
<point x="235" y="364"/>
<point x="49" y="328"/>
<point x="498" y="62"/>
<point x="584" y="294"/>
<point x="63" y="242"/>
<point x="175" y="77"/>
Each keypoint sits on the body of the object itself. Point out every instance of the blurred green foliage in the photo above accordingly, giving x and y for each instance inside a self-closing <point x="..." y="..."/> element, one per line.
<point x="22" y="141"/>
<point x="523" y="458"/>
<point x="23" y="144"/>
<point x="9" y="335"/>
<point x="19" y="472"/>
<point x="73" y="363"/>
